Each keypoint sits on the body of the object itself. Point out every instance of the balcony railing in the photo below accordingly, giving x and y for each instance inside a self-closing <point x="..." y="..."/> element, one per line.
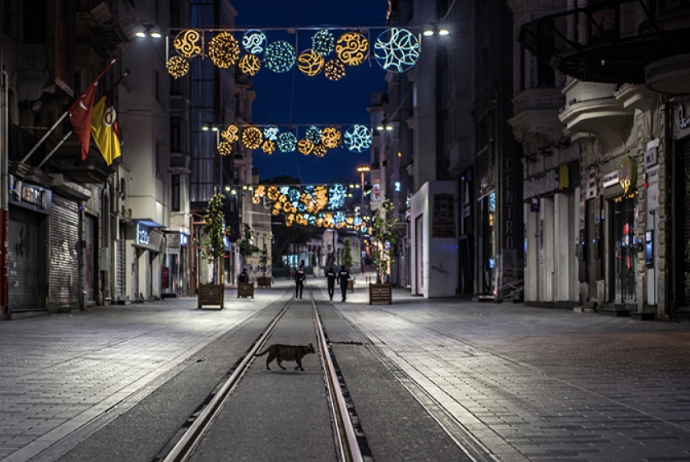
<point x="608" y="41"/>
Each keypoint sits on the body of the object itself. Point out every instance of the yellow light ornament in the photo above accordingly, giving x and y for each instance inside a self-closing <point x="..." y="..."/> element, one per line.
<point x="250" y="64"/>
<point x="252" y="137"/>
<point x="224" y="147"/>
<point x="231" y="133"/>
<point x="310" y="63"/>
<point x="352" y="48"/>
<point x="186" y="43"/>
<point x="268" y="146"/>
<point x="177" y="66"/>
<point x="256" y="200"/>
<point x="330" y="137"/>
<point x="223" y="50"/>
<point x="305" y="146"/>
<point x="273" y="193"/>
<point x="320" y="150"/>
<point x="334" y="70"/>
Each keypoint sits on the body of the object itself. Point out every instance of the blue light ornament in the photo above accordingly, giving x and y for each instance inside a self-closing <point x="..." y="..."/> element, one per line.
<point x="287" y="142"/>
<point x="396" y="50"/>
<point x="254" y="41"/>
<point x="358" y="138"/>
<point x="280" y="56"/>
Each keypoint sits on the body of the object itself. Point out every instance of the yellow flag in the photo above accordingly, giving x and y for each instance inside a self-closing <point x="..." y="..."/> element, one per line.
<point x="104" y="129"/>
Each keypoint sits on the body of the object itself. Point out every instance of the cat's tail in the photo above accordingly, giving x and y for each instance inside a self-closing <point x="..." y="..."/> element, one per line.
<point x="262" y="353"/>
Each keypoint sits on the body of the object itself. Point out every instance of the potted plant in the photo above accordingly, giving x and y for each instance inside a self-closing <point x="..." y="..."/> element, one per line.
<point x="385" y="240"/>
<point x="346" y="261"/>
<point x="263" y="281"/>
<point x="212" y="246"/>
<point x="247" y="249"/>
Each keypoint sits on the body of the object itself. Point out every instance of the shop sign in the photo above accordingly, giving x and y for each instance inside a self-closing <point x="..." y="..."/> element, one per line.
<point x="29" y="196"/>
<point x="591" y="182"/>
<point x="611" y="179"/>
<point x="541" y="184"/>
<point x="652" y="153"/>
<point x="628" y="174"/>
<point x="143" y="237"/>
<point x="173" y="243"/>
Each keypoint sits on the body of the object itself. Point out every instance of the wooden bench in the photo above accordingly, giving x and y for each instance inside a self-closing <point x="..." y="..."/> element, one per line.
<point x="380" y="293"/>
<point x="245" y="289"/>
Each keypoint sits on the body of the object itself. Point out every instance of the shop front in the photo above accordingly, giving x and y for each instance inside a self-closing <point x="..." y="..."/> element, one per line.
<point x="144" y="260"/>
<point x="174" y="279"/>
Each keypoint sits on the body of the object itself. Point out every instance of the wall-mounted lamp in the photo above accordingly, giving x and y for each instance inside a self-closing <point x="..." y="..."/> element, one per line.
<point x="148" y="30"/>
<point x="384" y="125"/>
<point x="435" y="30"/>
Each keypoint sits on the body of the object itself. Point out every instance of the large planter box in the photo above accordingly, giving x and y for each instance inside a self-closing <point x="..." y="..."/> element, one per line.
<point x="264" y="281"/>
<point x="380" y="293"/>
<point x="351" y="285"/>
<point x="211" y="295"/>
<point x="245" y="289"/>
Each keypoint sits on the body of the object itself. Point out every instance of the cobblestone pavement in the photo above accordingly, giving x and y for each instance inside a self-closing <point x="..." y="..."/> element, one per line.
<point x="527" y="383"/>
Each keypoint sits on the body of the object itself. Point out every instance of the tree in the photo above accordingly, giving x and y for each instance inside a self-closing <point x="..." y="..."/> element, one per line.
<point x="263" y="260"/>
<point x="346" y="259"/>
<point x="213" y="242"/>
<point x="386" y="239"/>
<point x="247" y="249"/>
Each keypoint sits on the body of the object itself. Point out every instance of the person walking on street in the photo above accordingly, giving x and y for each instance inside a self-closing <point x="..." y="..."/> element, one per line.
<point x="330" y="276"/>
<point x="343" y="276"/>
<point x="299" y="280"/>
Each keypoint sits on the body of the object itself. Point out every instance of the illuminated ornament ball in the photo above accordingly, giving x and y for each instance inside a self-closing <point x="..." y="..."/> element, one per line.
<point x="256" y="200"/>
<point x="186" y="43"/>
<point x="334" y="70"/>
<point x="287" y="142"/>
<point x="396" y="50"/>
<point x="224" y="147"/>
<point x="271" y="132"/>
<point x="310" y="63"/>
<point x="272" y="193"/>
<point x="177" y="66"/>
<point x="323" y="42"/>
<point x="320" y="150"/>
<point x="223" y="50"/>
<point x="250" y="65"/>
<point x="231" y="133"/>
<point x="313" y="134"/>
<point x="268" y="146"/>
<point x="330" y="137"/>
<point x="279" y="56"/>
<point x="357" y="138"/>
<point x="305" y="146"/>
<point x="251" y="137"/>
<point x="254" y="41"/>
<point x="352" y="48"/>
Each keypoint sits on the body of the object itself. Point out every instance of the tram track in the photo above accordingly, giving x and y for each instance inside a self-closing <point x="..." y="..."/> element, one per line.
<point x="349" y="440"/>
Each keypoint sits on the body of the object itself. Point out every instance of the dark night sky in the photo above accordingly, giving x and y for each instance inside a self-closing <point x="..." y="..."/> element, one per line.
<point x="294" y="97"/>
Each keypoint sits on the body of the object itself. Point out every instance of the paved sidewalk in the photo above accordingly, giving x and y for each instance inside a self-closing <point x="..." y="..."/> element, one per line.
<point x="65" y="373"/>
<point x="541" y="384"/>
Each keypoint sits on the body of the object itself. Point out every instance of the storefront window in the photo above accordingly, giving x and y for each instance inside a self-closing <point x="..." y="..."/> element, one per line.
<point x="624" y="232"/>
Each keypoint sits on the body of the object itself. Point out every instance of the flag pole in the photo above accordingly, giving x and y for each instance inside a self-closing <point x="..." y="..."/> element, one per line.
<point x="62" y="117"/>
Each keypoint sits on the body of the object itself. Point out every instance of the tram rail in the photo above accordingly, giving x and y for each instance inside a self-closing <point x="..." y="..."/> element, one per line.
<point x="347" y="442"/>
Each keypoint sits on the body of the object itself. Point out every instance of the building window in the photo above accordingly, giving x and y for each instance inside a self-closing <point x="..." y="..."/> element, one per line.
<point x="175" y="202"/>
<point x="175" y="134"/>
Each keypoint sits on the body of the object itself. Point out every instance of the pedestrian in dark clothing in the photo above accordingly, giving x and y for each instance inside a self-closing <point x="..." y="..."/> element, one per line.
<point x="299" y="281"/>
<point x="243" y="277"/>
<point x="343" y="276"/>
<point x="330" y="275"/>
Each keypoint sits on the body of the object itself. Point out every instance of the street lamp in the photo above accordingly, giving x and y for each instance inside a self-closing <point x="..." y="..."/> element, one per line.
<point x="218" y="162"/>
<point x="363" y="169"/>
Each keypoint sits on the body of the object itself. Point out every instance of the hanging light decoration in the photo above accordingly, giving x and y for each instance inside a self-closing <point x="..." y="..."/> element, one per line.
<point x="323" y="42"/>
<point x="320" y="150"/>
<point x="334" y="70"/>
<point x="279" y="56"/>
<point x="268" y="146"/>
<point x="330" y="137"/>
<point x="250" y="65"/>
<point x="310" y="63"/>
<point x="251" y="137"/>
<point x="287" y="142"/>
<point x="352" y="48"/>
<point x="186" y="43"/>
<point x="272" y="193"/>
<point x="231" y="133"/>
<point x="357" y="138"/>
<point x="177" y="66"/>
<point x="224" y="147"/>
<point x="223" y="50"/>
<point x="254" y="41"/>
<point x="313" y="134"/>
<point x="396" y="50"/>
<point x="305" y="146"/>
<point x="271" y="132"/>
<point x="256" y="200"/>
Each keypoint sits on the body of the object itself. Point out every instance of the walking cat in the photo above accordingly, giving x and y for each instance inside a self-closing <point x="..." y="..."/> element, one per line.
<point x="287" y="353"/>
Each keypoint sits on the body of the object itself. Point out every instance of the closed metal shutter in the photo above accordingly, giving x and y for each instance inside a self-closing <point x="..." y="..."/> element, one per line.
<point x="120" y="259"/>
<point x="23" y="260"/>
<point x="686" y="247"/>
<point x="64" y="254"/>
<point x="90" y="257"/>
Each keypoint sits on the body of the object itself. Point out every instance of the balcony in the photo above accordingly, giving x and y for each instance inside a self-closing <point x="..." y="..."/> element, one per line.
<point x="615" y="41"/>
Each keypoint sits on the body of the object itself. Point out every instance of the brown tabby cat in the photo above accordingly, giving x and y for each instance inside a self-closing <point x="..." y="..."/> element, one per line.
<point x="287" y="353"/>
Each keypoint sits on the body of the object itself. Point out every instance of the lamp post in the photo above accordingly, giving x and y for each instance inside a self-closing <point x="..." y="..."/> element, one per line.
<point x="363" y="169"/>
<point x="218" y="162"/>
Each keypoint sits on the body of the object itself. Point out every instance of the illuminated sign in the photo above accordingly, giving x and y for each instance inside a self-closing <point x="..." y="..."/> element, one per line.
<point x="142" y="235"/>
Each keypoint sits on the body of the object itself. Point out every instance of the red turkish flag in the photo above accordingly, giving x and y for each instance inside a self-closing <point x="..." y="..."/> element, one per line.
<point x="80" y="116"/>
